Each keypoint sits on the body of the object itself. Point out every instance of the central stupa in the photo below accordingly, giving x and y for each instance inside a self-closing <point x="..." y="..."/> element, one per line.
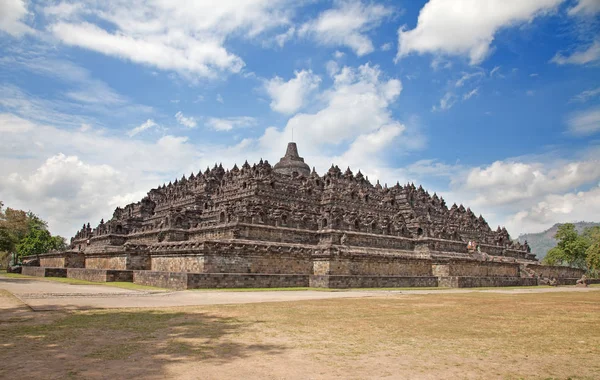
<point x="292" y="163"/>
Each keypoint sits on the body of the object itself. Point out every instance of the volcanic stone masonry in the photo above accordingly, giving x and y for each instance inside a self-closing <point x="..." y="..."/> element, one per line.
<point x="285" y="225"/>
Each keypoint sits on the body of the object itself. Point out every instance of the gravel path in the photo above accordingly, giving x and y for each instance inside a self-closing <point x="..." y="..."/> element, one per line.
<point x="47" y="295"/>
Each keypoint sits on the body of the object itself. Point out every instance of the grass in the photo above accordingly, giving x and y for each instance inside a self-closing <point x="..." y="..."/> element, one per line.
<point x="445" y="335"/>
<point x="75" y="281"/>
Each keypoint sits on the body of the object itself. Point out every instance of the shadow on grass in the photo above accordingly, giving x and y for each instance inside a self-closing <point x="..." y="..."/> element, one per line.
<point x="118" y="343"/>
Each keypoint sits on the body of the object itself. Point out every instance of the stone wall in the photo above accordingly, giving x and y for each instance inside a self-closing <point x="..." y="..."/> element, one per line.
<point x="474" y="282"/>
<point x="107" y="262"/>
<point x="344" y="282"/>
<point x="275" y="234"/>
<point x="181" y="281"/>
<point x="265" y="263"/>
<point x="62" y="260"/>
<point x="376" y="266"/>
<point x="482" y="269"/>
<point x="100" y="275"/>
<point x="179" y="263"/>
<point x="556" y="271"/>
<point x="53" y="262"/>
<point x="120" y="261"/>
<point x="233" y="280"/>
<point x="171" y="280"/>
<point x="44" y="272"/>
<point x="358" y="239"/>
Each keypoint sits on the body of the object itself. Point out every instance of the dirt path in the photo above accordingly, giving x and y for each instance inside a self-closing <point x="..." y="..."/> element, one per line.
<point x="47" y="295"/>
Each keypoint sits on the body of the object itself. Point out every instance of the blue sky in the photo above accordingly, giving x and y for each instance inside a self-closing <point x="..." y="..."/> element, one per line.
<point x="494" y="104"/>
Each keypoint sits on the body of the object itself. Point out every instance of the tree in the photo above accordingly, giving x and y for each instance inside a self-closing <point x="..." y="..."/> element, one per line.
<point x="36" y="242"/>
<point x="593" y="258"/>
<point x="25" y="233"/>
<point x="570" y="249"/>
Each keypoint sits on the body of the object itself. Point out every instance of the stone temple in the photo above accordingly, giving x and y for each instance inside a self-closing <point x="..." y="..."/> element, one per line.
<point x="287" y="226"/>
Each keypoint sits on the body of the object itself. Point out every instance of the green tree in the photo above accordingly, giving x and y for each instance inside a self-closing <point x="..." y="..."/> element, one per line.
<point x="570" y="249"/>
<point x="593" y="259"/>
<point x="553" y="257"/>
<point x="25" y="233"/>
<point x="36" y="242"/>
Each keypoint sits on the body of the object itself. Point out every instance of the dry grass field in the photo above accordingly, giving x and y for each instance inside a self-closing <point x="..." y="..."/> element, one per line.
<point x="452" y="336"/>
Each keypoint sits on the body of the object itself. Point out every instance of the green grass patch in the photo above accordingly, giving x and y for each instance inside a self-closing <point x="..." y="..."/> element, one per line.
<point x="75" y="281"/>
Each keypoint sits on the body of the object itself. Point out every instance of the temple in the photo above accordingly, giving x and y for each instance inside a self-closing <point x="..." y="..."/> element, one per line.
<point x="287" y="226"/>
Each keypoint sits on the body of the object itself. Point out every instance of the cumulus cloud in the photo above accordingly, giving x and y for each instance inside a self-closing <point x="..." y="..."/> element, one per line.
<point x="69" y="189"/>
<point x="573" y="206"/>
<point x="229" y="123"/>
<point x="351" y="118"/>
<point x="347" y="24"/>
<point x="188" y="122"/>
<point x="181" y="36"/>
<point x="288" y="97"/>
<point x="511" y="182"/>
<point x="12" y="16"/>
<point x="585" y="123"/>
<point x="580" y="57"/>
<point x="466" y="27"/>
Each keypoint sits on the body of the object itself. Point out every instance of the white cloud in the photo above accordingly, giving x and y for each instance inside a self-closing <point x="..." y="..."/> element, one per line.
<point x="581" y="57"/>
<point x="387" y="46"/>
<point x="181" y="36"/>
<point x="141" y="128"/>
<point x="338" y="54"/>
<point x="229" y="123"/>
<point x="288" y="97"/>
<point x="585" y="122"/>
<point x="188" y="122"/>
<point x="220" y="99"/>
<point x="69" y="178"/>
<point x="584" y="96"/>
<point x="467" y="77"/>
<point x="470" y="94"/>
<point x="63" y="188"/>
<point x="466" y="27"/>
<point x="558" y="208"/>
<point x="348" y="24"/>
<point x="353" y="118"/>
<point x="12" y="15"/>
<point x="494" y="71"/>
<point x="585" y="8"/>
<point x="282" y="38"/>
<point x="446" y="102"/>
<point x="512" y="182"/>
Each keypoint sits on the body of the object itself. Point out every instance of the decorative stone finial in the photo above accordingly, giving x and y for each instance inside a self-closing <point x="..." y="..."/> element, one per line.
<point x="292" y="162"/>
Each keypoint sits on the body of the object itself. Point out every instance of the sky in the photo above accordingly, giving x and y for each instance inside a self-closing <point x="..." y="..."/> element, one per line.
<point x="494" y="104"/>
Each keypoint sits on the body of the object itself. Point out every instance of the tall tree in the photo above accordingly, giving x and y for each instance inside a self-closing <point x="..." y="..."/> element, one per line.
<point x="25" y="233"/>
<point x="571" y="248"/>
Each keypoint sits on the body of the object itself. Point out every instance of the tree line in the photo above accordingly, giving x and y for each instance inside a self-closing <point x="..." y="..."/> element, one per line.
<point x="576" y="250"/>
<point x="23" y="233"/>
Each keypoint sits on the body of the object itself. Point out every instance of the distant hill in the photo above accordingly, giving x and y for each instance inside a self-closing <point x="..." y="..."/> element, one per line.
<point x="542" y="242"/>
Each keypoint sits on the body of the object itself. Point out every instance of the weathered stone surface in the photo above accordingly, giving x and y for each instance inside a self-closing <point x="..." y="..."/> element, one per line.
<point x="474" y="282"/>
<point x="100" y="275"/>
<point x="278" y="226"/>
<point x="181" y="281"/>
<point x="44" y="272"/>
<point x="362" y="281"/>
